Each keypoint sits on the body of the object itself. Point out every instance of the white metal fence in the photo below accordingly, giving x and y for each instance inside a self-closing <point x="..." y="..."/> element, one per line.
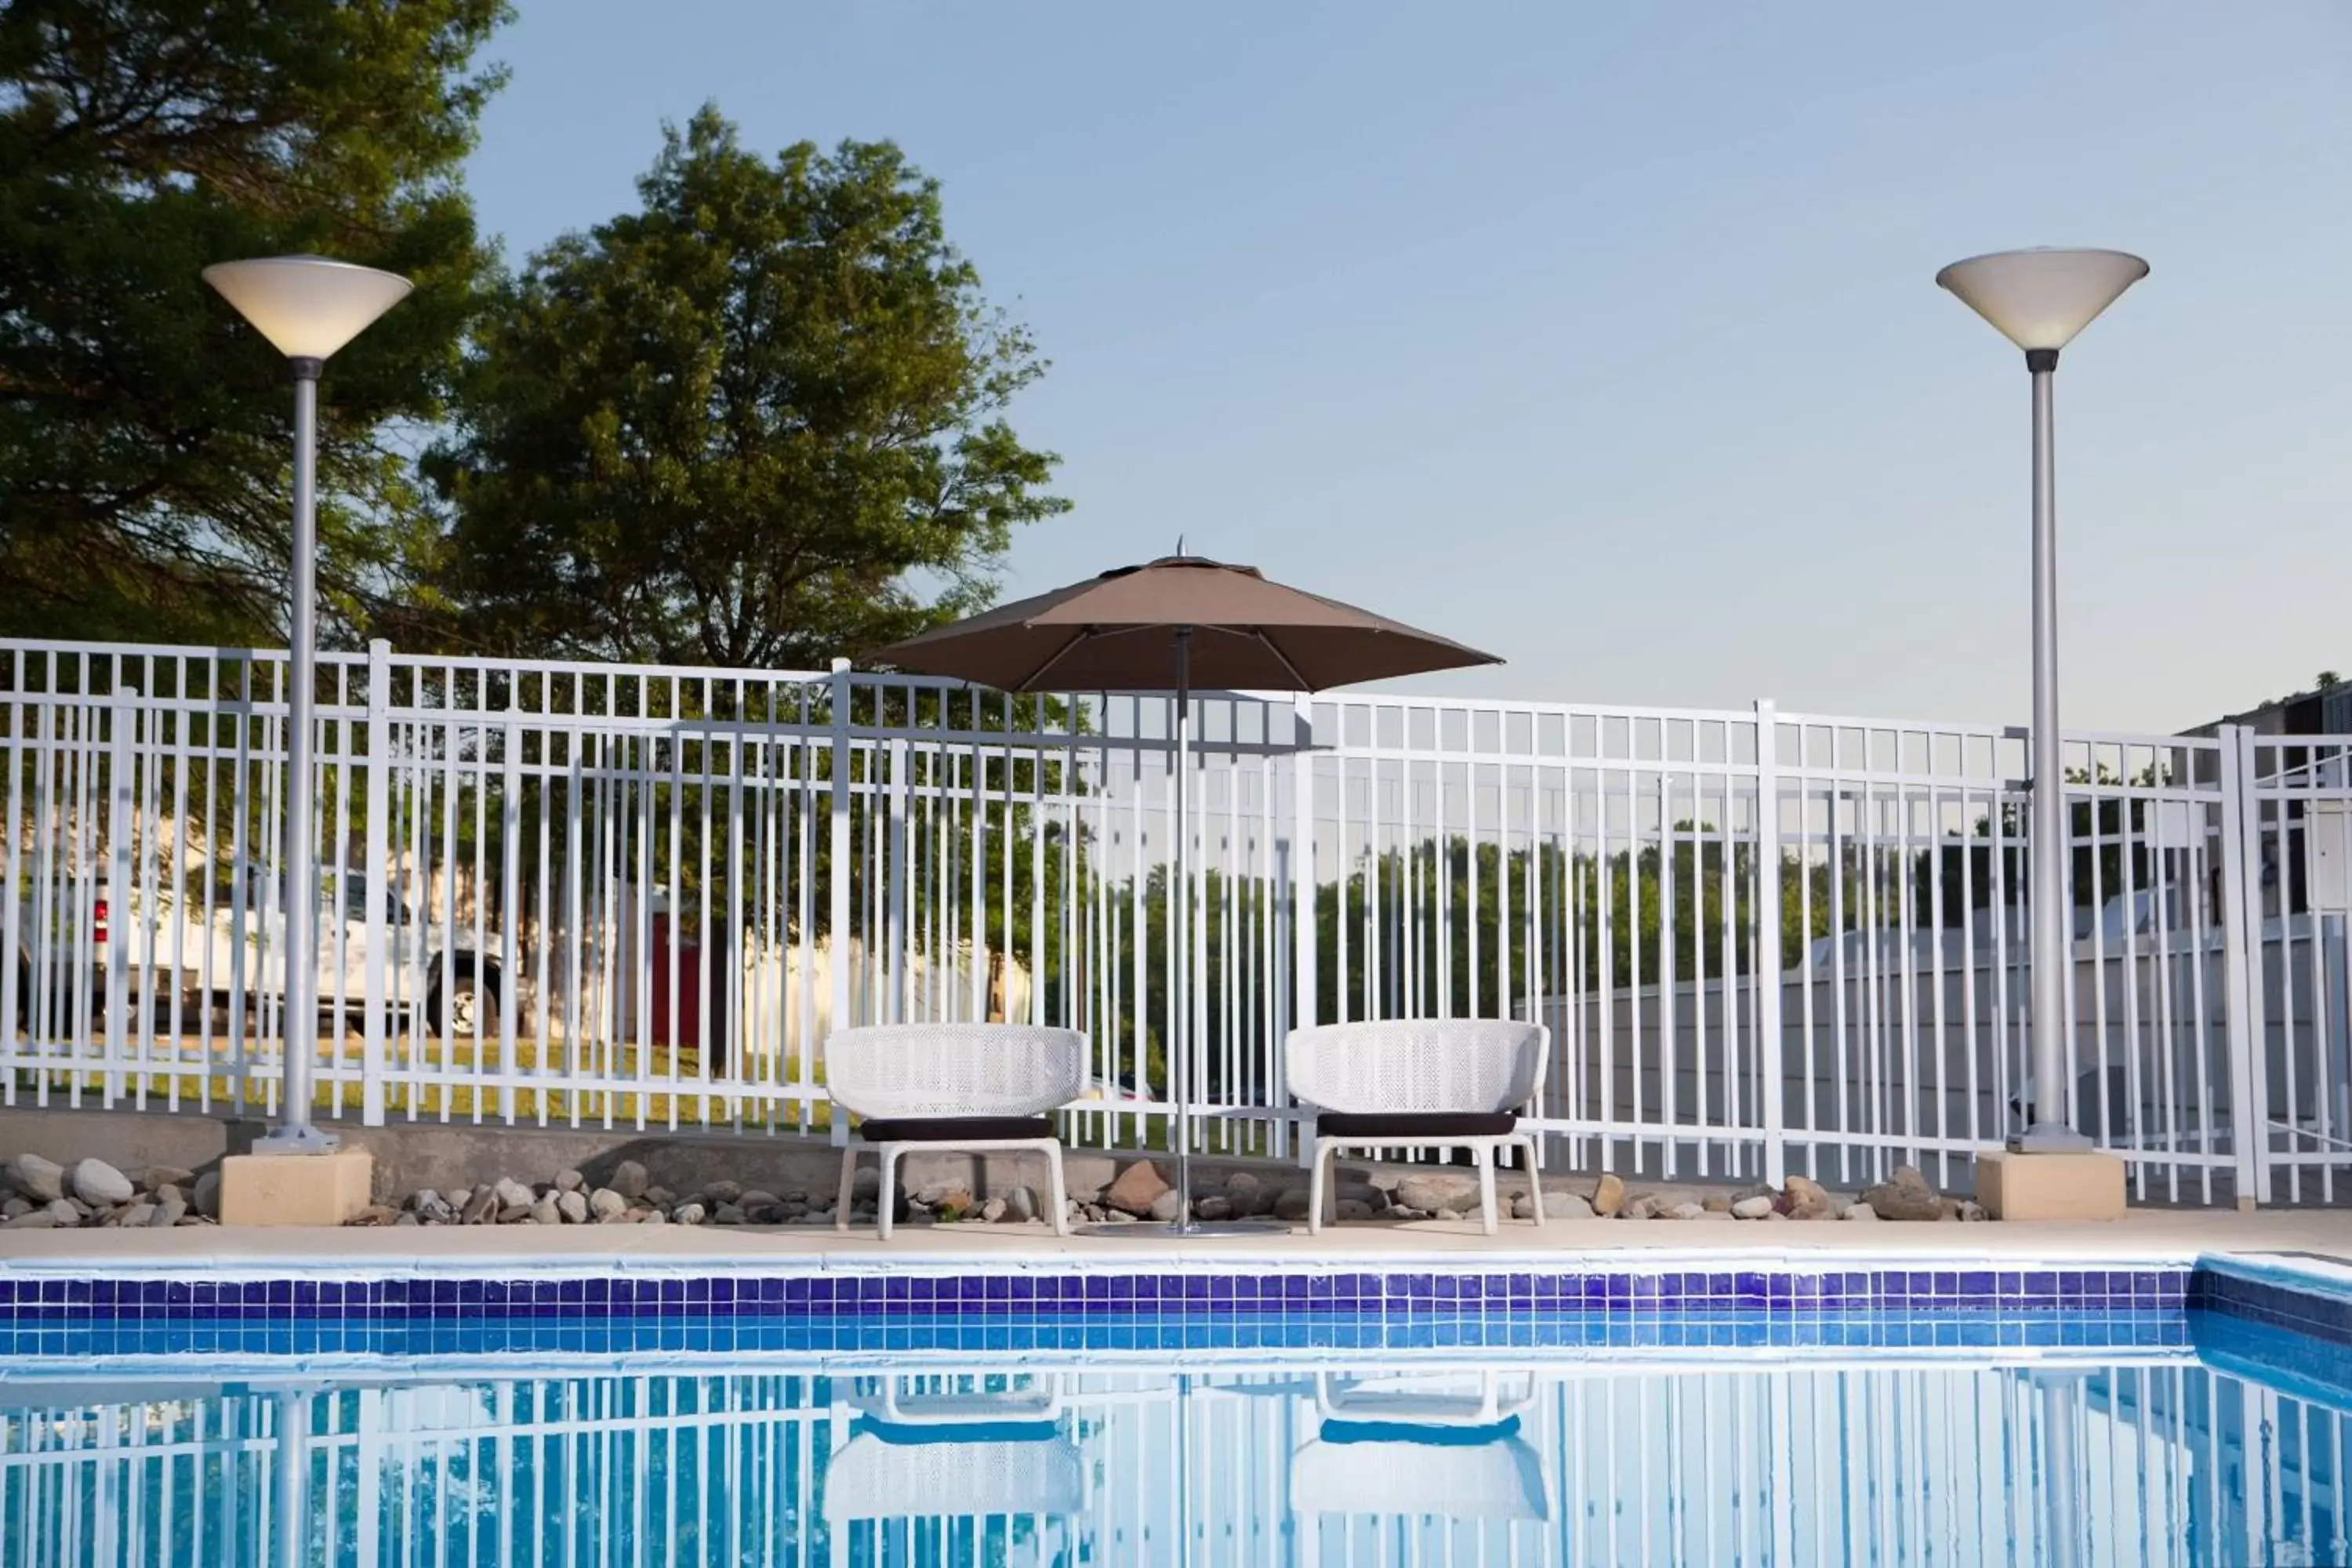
<point x="2148" y="1459"/>
<point x="630" y="896"/>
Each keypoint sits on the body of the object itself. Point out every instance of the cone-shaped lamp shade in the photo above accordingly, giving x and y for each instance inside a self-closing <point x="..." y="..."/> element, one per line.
<point x="2041" y="298"/>
<point x="307" y="305"/>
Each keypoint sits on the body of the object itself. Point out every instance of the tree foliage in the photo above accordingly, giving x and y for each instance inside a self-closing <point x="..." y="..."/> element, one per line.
<point x="144" y="430"/>
<point x="747" y="425"/>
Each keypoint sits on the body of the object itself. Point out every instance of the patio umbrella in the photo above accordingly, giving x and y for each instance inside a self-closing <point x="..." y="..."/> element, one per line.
<point x="1169" y="625"/>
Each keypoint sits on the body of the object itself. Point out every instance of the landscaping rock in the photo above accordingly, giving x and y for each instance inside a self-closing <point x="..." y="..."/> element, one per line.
<point x="480" y="1209"/>
<point x="36" y="1219"/>
<point x="515" y="1213"/>
<point x="43" y="1180"/>
<point x="99" y="1185"/>
<point x="992" y="1210"/>
<point x="1861" y="1212"/>
<point x="572" y="1205"/>
<point x="1291" y="1204"/>
<point x="1438" y="1190"/>
<point x="1609" y="1194"/>
<point x="1904" y="1195"/>
<point x="1448" y="1214"/>
<point x="1646" y="1206"/>
<point x="1687" y="1211"/>
<point x="544" y="1212"/>
<point x="1020" y="1206"/>
<point x="609" y="1204"/>
<point x="648" y="1217"/>
<point x="1137" y="1188"/>
<point x="1168" y="1205"/>
<point x="16" y="1206"/>
<point x="663" y="1198"/>
<point x="1972" y="1212"/>
<point x="207" y="1194"/>
<point x="723" y="1192"/>
<point x="1751" y="1208"/>
<point x="569" y="1180"/>
<point x="62" y="1212"/>
<point x="1801" y="1197"/>
<point x="381" y="1215"/>
<point x="171" y="1208"/>
<point x="689" y="1214"/>
<point x="161" y="1176"/>
<point x="1217" y="1206"/>
<point x="1351" y="1208"/>
<point x="512" y="1194"/>
<point x="1559" y="1203"/>
<point x="1717" y="1203"/>
<point x="134" y="1215"/>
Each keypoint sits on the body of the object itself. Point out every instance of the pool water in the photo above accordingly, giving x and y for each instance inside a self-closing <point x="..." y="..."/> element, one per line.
<point x="2124" y="1438"/>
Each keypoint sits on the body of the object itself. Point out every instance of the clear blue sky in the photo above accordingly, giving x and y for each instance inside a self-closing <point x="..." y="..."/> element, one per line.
<point x="1606" y="337"/>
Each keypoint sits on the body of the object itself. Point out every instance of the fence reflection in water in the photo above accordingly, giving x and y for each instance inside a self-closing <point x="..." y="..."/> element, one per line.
<point x="2134" y="1458"/>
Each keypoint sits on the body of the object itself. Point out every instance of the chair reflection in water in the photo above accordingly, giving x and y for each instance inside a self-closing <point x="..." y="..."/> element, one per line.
<point x="1425" y="1443"/>
<point x="944" y="1447"/>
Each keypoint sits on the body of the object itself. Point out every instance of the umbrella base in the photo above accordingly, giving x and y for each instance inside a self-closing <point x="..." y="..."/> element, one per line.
<point x="1174" y="1230"/>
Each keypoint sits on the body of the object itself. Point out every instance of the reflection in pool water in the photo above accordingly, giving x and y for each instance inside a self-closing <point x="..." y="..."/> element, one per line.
<point x="2130" y="1458"/>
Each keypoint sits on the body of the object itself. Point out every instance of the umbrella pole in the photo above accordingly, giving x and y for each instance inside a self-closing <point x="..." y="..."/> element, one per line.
<point x="1181" y="950"/>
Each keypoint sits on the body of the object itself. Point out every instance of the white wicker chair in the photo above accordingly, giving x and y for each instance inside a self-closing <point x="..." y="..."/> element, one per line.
<point x="968" y="1087"/>
<point x="1420" y="1083"/>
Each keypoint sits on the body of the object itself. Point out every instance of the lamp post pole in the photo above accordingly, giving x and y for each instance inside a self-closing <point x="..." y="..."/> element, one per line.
<point x="2039" y="299"/>
<point x="295" y="1134"/>
<point x="308" y="307"/>
<point x="2049" y="1128"/>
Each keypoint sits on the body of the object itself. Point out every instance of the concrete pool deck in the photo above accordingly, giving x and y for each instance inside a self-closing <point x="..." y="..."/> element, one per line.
<point x="2147" y="1236"/>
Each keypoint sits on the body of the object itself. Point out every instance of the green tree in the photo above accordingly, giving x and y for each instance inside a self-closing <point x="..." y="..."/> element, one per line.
<point x="144" y="429"/>
<point x="745" y="425"/>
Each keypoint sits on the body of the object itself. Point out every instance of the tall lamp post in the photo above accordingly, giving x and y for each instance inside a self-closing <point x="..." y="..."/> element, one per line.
<point x="308" y="307"/>
<point x="2039" y="299"/>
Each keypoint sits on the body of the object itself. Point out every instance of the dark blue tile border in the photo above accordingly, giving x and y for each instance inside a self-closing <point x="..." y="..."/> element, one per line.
<point x="2299" y="1303"/>
<point x="1388" y="1295"/>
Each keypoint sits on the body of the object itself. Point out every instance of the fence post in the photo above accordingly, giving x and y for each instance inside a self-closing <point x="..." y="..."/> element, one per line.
<point x="2241" y="915"/>
<point x="836" y="874"/>
<point x="121" y="919"/>
<point x="1767" y="940"/>
<point x="1306" y="931"/>
<point x="380" y="930"/>
<point x="511" y="912"/>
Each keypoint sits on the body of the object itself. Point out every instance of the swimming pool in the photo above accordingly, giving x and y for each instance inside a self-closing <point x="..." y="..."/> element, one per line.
<point x="1747" y="1414"/>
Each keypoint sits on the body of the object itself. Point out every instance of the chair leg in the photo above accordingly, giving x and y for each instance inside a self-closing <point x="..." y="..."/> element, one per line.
<point x="1486" y="1185"/>
<point x="1535" y="1180"/>
<point x="849" y="1186"/>
<point x="1318" y="1183"/>
<point x="887" y="1199"/>
<point x="1059" y="1197"/>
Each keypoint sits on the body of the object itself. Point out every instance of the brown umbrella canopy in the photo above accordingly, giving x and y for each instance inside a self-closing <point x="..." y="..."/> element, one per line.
<point x="1116" y="633"/>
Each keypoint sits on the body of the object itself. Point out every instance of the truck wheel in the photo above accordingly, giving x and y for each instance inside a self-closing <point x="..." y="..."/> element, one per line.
<point x="469" y="1007"/>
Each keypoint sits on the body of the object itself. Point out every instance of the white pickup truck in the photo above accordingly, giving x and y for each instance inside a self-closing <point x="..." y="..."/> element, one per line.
<point x="82" y="929"/>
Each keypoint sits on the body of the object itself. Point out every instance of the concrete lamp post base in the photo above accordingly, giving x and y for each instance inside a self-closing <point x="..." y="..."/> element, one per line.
<point x="296" y="1189"/>
<point x="2081" y="1184"/>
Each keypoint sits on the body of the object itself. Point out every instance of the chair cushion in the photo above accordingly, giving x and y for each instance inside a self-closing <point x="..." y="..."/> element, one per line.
<point x="955" y="1129"/>
<point x="1415" y="1124"/>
